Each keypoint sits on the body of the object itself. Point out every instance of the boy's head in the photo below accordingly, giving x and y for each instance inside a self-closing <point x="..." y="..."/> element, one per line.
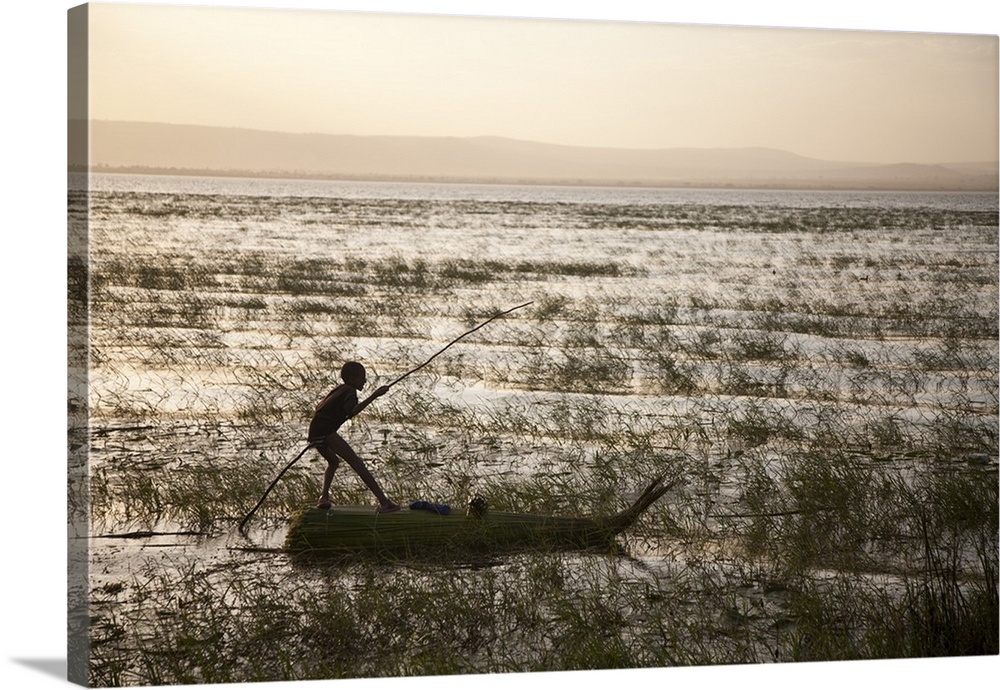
<point x="353" y="373"/>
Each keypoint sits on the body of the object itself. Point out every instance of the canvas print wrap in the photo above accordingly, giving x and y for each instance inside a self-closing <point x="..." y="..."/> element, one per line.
<point x="408" y="345"/>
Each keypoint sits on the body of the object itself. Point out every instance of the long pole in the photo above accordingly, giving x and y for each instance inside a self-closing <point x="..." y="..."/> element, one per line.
<point x="468" y="332"/>
<point x="245" y="520"/>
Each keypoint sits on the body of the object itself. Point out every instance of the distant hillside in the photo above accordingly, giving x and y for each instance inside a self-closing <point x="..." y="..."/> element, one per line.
<point x="186" y="149"/>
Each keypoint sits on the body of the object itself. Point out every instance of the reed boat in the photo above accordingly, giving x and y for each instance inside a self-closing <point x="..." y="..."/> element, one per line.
<point x="413" y="531"/>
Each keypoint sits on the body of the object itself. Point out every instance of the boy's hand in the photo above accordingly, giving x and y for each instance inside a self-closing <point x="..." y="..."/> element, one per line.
<point x="380" y="391"/>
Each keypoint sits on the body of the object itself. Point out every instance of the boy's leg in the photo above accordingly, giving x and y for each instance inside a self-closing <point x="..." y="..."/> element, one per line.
<point x="331" y="466"/>
<point x="338" y="445"/>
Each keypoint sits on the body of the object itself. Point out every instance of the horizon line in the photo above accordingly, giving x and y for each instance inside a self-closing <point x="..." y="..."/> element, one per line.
<point x="995" y="161"/>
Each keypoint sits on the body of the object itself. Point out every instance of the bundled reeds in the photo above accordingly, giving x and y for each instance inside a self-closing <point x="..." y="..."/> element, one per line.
<point x="353" y="528"/>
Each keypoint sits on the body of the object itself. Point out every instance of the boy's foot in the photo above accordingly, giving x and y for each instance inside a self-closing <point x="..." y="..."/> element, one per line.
<point x="387" y="508"/>
<point x="324" y="503"/>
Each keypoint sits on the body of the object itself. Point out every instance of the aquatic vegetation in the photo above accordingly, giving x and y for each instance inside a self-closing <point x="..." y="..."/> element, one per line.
<point x="823" y="379"/>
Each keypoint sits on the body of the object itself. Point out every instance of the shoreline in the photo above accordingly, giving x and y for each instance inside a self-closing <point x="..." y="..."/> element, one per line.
<point x="748" y="184"/>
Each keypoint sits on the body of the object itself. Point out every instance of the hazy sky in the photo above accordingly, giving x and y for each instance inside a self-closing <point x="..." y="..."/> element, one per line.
<point x="842" y="95"/>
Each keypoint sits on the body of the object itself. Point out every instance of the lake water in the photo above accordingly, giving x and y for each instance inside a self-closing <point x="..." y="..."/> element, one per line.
<point x="718" y="334"/>
<point x="539" y="193"/>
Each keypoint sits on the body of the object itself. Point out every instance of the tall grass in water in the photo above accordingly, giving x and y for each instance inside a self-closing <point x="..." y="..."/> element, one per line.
<point x="933" y="536"/>
<point x="536" y="612"/>
<point x="951" y="608"/>
<point x="827" y="392"/>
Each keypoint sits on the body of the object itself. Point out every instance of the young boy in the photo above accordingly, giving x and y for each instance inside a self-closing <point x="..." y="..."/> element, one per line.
<point x="335" y="409"/>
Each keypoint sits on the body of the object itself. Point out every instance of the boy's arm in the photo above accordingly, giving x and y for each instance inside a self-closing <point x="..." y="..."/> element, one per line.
<point x="377" y="393"/>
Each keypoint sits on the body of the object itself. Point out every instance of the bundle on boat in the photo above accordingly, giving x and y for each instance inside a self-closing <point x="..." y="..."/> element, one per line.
<point x="359" y="528"/>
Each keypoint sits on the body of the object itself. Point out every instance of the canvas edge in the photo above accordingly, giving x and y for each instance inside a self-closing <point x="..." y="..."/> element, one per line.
<point x="77" y="350"/>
